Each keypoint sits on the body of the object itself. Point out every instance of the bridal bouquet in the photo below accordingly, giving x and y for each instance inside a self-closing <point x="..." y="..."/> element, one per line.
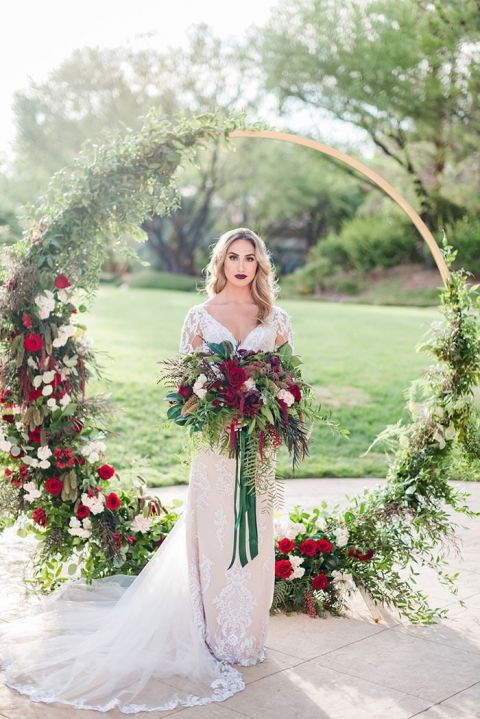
<point x="246" y="403"/>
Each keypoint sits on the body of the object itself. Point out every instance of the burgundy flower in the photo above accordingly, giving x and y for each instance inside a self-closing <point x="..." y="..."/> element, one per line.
<point x="275" y="362"/>
<point x="54" y="485"/>
<point x="251" y="402"/>
<point x="112" y="501"/>
<point x="308" y="547"/>
<point x="33" y="342"/>
<point x="320" y="581"/>
<point x="106" y="471"/>
<point x="286" y="545"/>
<point x="235" y="375"/>
<point x="62" y="282"/>
<point x="230" y="396"/>
<point x="33" y="393"/>
<point x="283" y="568"/>
<point x="39" y="516"/>
<point x="184" y="391"/>
<point x="82" y="511"/>
<point x="10" y="418"/>
<point x="34" y="436"/>
<point x="295" y="390"/>
<point x="324" y="546"/>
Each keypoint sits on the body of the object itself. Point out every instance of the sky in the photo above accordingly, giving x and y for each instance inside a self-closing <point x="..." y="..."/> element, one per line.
<point x="38" y="36"/>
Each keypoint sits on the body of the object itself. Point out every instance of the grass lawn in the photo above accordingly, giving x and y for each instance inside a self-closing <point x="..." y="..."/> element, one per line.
<point x="360" y="358"/>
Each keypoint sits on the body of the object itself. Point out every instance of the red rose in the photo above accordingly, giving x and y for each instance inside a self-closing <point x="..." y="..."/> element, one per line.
<point x="34" y="436"/>
<point x="40" y="517"/>
<point x="112" y="501"/>
<point x="53" y="485"/>
<point x="323" y="545"/>
<point x="234" y="374"/>
<point x="10" y="418"/>
<point x="62" y="282"/>
<point x="27" y="321"/>
<point x="308" y="547"/>
<point x="295" y="390"/>
<point x="184" y="391"/>
<point x="286" y="545"/>
<point x="105" y="471"/>
<point x="82" y="511"/>
<point x="283" y="568"/>
<point x="33" y="342"/>
<point x="320" y="581"/>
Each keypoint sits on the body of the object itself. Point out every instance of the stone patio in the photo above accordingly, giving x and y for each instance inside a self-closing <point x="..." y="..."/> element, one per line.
<point x="347" y="667"/>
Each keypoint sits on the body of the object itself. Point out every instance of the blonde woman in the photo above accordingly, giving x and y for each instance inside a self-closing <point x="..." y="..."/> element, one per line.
<point x="173" y="634"/>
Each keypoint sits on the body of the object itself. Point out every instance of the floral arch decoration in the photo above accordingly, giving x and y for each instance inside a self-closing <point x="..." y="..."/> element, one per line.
<point x="55" y="466"/>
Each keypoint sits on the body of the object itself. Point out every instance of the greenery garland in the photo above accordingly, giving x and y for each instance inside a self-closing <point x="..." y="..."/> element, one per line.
<point x="51" y="436"/>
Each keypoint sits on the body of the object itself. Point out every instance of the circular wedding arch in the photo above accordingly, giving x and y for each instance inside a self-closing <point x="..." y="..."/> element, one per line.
<point x="108" y="191"/>
<point x="367" y="172"/>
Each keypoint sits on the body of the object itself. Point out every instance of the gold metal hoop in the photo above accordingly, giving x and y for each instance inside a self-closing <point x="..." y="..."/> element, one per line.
<point x="364" y="170"/>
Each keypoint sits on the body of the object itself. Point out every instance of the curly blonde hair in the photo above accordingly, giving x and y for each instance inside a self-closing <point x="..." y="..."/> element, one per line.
<point x="264" y="287"/>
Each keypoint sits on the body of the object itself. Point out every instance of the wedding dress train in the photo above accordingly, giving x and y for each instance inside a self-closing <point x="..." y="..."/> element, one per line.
<point x="171" y="635"/>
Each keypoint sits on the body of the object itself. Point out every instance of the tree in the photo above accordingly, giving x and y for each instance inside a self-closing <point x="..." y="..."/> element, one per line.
<point x="406" y="72"/>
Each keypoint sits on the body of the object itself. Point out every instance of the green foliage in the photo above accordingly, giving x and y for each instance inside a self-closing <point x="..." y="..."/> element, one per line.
<point x="464" y="236"/>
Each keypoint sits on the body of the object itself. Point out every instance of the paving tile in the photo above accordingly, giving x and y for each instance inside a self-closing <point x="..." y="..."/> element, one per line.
<point x="440" y="711"/>
<point x="309" y="691"/>
<point x="409" y="664"/>
<point x="275" y="662"/>
<point x="466" y="701"/>
<point x="216" y="710"/>
<point x="301" y="636"/>
<point x="461" y="629"/>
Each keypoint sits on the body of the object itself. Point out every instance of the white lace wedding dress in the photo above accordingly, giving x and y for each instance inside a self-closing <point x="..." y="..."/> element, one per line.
<point x="171" y="635"/>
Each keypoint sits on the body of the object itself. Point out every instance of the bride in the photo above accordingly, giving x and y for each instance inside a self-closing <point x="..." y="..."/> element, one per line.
<point x="171" y="635"/>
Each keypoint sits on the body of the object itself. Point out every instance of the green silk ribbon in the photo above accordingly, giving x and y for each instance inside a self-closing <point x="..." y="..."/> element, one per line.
<point x="247" y="511"/>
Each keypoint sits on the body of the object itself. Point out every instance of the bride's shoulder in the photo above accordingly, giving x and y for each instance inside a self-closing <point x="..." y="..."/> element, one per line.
<point x="279" y="313"/>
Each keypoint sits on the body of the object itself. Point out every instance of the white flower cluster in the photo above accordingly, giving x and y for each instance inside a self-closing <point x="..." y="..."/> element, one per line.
<point x="64" y="333"/>
<point x="287" y="397"/>
<point x="5" y="445"/>
<point x="298" y="571"/>
<point x="249" y="383"/>
<point x="43" y="453"/>
<point x="341" y="536"/>
<point x="141" y="523"/>
<point x="93" y="450"/>
<point x="288" y="529"/>
<point x="80" y="528"/>
<point x="198" y="387"/>
<point x="45" y="303"/>
<point x="62" y="402"/>
<point x="32" y="493"/>
<point x="96" y="504"/>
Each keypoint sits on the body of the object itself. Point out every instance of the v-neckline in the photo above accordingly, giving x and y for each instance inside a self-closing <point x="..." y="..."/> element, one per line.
<point x="220" y="324"/>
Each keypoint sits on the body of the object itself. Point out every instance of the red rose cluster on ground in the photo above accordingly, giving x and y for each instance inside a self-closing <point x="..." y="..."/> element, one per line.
<point x="286" y="545"/>
<point x="283" y="568"/>
<point x="320" y="581"/>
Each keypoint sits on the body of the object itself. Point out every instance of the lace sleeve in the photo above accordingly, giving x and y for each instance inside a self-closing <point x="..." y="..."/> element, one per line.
<point x="190" y="328"/>
<point x="284" y="328"/>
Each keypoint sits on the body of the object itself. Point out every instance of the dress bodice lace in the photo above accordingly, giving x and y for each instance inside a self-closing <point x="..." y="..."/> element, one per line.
<point x="199" y="321"/>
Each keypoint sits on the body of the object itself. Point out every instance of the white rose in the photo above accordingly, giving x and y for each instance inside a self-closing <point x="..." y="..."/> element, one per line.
<point x="47" y="390"/>
<point x="95" y="504"/>
<point x="341" y="536"/>
<point x="249" y="383"/>
<point x="52" y="403"/>
<point x="37" y="381"/>
<point x="141" y="523"/>
<point x="32" y="493"/>
<point x="47" y="377"/>
<point x="65" y="400"/>
<point x="45" y="304"/>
